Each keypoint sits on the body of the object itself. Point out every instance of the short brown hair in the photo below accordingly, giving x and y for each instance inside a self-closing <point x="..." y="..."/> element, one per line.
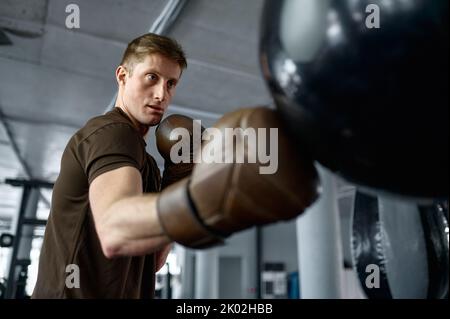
<point x="150" y="43"/>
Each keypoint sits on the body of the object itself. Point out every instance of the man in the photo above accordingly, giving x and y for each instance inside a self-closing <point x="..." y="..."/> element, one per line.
<point x="102" y="223"/>
<point x="100" y="220"/>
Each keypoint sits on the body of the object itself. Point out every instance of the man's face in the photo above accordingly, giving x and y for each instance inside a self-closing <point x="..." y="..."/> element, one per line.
<point x="148" y="91"/>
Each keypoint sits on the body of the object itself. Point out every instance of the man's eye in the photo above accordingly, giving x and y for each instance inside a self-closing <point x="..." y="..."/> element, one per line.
<point x="170" y="84"/>
<point x="151" y="77"/>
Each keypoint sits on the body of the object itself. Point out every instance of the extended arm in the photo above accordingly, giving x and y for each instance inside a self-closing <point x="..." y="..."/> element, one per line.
<point x="125" y="219"/>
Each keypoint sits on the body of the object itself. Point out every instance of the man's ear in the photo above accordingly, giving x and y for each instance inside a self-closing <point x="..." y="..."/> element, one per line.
<point x="121" y="75"/>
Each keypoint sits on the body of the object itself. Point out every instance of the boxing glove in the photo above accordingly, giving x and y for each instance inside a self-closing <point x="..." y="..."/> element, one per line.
<point x="175" y="137"/>
<point x="221" y="198"/>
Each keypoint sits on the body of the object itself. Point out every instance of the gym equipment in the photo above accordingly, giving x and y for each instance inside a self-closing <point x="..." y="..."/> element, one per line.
<point x="12" y="290"/>
<point x="6" y="240"/>
<point x="369" y="103"/>
<point x="400" y="249"/>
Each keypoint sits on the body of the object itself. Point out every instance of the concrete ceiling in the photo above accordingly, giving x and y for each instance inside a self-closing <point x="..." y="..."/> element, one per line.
<point x="54" y="78"/>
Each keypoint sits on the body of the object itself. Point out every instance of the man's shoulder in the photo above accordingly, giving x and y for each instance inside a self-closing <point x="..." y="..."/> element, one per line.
<point x="110" y="121"/>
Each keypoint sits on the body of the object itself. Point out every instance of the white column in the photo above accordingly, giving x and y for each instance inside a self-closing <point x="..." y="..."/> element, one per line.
<point x="206" y="274"/>
<point x="319" y="245"/>
<point x="187" y="271"/>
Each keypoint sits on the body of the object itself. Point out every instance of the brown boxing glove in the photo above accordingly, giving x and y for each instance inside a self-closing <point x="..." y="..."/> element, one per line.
<point x="221" y="198"/>
<point x="176" y="134"/>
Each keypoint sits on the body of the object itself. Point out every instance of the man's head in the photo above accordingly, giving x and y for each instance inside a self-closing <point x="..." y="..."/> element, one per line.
<point x="147" y="77"/>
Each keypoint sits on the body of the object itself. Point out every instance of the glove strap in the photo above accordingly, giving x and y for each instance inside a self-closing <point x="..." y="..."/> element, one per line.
<point x="180" y="220"/>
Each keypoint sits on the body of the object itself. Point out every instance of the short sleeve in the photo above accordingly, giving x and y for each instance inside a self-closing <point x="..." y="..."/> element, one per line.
<point x="110" y="147"/>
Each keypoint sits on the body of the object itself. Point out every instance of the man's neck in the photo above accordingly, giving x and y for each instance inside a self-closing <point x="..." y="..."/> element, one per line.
<point x="143" y="129"/>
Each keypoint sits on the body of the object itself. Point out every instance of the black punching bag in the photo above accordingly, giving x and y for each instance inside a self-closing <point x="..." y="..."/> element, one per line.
<point x="400" y="249"/>
<point x="364" y="86"/>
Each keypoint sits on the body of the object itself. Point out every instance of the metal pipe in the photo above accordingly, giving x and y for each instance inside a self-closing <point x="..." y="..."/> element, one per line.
<point x="16" y="151"/>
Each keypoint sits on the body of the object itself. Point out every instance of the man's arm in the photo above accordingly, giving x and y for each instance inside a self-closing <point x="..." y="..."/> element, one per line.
<point x="125" y="219"/>
<point x="161" y="256"/>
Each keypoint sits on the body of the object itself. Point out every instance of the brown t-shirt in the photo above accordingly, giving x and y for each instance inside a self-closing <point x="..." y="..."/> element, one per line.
<point x="105" y="143"/>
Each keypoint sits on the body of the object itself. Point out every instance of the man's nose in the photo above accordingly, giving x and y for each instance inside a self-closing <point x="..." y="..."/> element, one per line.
<point x="160" y="92"/>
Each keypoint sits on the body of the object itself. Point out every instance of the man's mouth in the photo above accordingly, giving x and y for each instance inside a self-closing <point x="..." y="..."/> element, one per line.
<point x="156" y="108"/>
